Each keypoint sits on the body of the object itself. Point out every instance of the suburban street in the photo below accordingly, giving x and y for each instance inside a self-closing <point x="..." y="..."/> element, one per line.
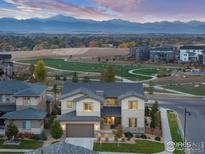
<point x="195" y="132"/>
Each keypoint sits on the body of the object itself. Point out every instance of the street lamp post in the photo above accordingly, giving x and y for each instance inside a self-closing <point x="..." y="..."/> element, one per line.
<point x="185" y="117"/>
<point x="121" y="73"/>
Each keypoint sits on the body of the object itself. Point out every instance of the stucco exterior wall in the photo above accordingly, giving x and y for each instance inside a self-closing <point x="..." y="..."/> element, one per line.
<point x="35" y="102"/>
<point x="96" y="107"/>
<point x="37" y="126"/>
<point x="135" y="113"/>
<point x="64" y="108"/>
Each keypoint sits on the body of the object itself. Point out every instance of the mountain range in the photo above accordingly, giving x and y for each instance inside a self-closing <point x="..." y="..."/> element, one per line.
<point x="66" y="24"/>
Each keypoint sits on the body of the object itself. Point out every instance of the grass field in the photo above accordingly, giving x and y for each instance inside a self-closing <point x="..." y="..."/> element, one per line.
<point x="25" y="144"/>
<point x="174" y="128"/>
<point x="188" y="88"/>
<point x="89" y="67"/>
<point x="141" y="146"/>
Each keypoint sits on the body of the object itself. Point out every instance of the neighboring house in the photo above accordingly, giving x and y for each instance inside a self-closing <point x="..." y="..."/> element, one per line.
<point x="139" y="53"/>
<point x="6" y="67"/>
<point x="192" y="54"/>
<point x="62" y="148"/>
<point x="88" y="108"/>
<point x="24" y="104"/>
<point x="166" y="54"/>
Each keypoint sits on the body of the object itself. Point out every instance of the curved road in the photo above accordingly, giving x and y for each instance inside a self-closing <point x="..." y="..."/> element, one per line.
<point x="195" y="132"/>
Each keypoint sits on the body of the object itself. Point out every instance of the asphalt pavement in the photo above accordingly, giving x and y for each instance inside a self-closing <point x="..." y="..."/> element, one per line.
<point x="195" y="130"/>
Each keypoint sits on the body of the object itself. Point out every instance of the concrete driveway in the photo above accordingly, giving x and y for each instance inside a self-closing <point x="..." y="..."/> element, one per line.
<point x="83" y="142"/>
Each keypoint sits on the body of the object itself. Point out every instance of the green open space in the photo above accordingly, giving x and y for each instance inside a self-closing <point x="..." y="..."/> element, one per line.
<point x="188" y="88"/>
<point x="121" y="70"/>
<point x="25" y="144"/>
<point x="175" y="132"/>
<point x="141" y="146"/>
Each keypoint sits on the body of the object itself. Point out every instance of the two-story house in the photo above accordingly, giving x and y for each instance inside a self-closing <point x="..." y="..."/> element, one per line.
<point x="89" y="108"/>
<point x="24" y="104"/>
<point x="192" y="54"/>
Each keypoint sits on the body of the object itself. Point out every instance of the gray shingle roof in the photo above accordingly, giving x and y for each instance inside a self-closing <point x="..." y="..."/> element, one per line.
<point x="62" y="148"/>
<point x="111" y="111"/>
<point x="132" y="93"/>
<point x="20" y="88"/>
<point x="5" y="56"/>
<point x="72" y="117"/>
<point x="7" y="107"/>
<point x="110" y="89"/>
<point x="29" y="113"/>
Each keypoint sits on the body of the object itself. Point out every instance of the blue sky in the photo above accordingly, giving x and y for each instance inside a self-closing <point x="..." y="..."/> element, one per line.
<point x="132" y="10"/>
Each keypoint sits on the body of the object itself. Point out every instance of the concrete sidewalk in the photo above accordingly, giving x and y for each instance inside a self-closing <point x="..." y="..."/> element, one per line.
<point x="15" y="150"/>
<point x="166" y="131"/>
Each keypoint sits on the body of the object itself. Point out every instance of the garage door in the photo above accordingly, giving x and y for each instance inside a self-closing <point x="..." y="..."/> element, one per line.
<point x="80" y="130"/>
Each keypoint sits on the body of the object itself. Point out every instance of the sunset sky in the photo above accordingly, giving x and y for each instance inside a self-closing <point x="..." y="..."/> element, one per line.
<point x="132" y="10"/>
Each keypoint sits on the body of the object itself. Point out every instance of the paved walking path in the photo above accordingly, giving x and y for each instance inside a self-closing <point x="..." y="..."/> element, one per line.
<point x="166" y="130"/>
<point x="15" y="150"/>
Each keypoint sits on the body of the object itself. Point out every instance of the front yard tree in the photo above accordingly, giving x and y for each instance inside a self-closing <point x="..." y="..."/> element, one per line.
<point x="56" y="130"/>
<point x="151" y="88"/>
<point x="11" y="131"/>
<point x="75" y="77"/>
<point x="154" y="110"/>
<point x="108" y="75"/>
<point x="40" y="71"/>
<point x="118" y="132"/>
<point x="86" y="79"/>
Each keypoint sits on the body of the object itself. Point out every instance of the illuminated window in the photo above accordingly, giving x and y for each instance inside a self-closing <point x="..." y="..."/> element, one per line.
<point x="133" y="105"/>
<point x="88" y="107"/>
<point x="112" y="101"/>
<point x="132" y="122"/>
<point x="69" y="104"/>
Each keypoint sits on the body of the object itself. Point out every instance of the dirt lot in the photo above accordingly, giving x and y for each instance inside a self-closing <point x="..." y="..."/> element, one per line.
<point x="67" y="52"/>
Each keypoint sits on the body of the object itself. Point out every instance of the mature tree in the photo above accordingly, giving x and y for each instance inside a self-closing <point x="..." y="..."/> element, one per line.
<point x="11" y="131"/>
<point x="147" y="111"/>
<point x="154" y="110"/>
<point x="75" y="77"/>
<point x="118" y="132"/>
<point x="86" y="79"/>
<point x="56" y="130"/>
<point x="40" y="71"/>
<point x="55" y="91"/>
<point x="150" y="89"/>
<point x="108" y="75"/>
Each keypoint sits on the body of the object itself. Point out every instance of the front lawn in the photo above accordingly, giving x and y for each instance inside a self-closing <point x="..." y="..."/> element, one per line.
<point x="174" y="128"/>
<point x="25" y="144"/>
<point x="141" y="146"/>
<point x="188" y="88"/>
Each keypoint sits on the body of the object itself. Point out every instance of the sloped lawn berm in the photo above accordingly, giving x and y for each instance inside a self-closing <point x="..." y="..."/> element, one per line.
<point x="141" y="146"/>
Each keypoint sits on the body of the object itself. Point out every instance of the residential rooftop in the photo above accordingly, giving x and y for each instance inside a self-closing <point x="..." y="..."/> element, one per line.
<point x="29" y="113"/>
<point x="21" y="88"/>
<point x="108" y="89"/>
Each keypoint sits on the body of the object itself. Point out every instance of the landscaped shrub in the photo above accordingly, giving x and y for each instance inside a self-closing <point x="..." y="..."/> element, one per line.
<point x="11" y="131"/>
<point x="106" y="139"/>
<point x="25" y="135"/>
<point x="41" y="136"/>
<point x="128" y="135"/>
<point x="138" y="135"/>
<point x="157" y="138"/>
<point x="56" y="130"/>
<point x="123" y="139"/>
<point x="143" y="136"/>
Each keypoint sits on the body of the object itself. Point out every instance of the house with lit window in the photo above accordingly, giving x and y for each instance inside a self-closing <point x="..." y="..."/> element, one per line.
<point x="89" y="108"/>
<point x="192" y="54"/>
<point x="24" y="104"/>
